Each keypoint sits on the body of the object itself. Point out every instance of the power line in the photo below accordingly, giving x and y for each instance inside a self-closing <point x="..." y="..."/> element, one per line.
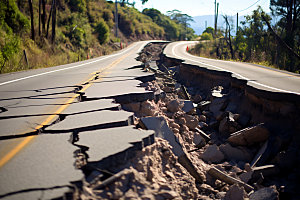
<point x="249" y="6"/>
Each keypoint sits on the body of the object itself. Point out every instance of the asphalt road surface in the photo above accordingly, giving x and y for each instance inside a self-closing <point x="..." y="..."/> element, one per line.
<point x="260" y="77"/>
<point x="37" y="165"/>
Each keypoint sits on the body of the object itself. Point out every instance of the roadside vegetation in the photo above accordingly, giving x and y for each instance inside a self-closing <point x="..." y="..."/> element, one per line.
<point x="44" y="33"/>
<point x="257" y="41"/>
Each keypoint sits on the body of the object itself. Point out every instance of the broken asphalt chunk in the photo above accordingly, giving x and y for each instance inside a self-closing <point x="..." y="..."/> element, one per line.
<point x="249" y="136"/>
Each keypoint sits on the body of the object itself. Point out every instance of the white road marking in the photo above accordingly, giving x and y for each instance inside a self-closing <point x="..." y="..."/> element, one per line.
<point x="72" y="67"/>
<point x="236" y="74"/>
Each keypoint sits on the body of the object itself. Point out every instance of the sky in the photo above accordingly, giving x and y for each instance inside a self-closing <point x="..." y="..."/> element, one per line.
<point x="205" y="7"/>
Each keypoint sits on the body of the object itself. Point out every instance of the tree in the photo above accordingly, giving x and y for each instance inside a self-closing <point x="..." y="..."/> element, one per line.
<point x="32" y="20"/>
<point x="209" y="30"/>
<point x="181" y="19"/>
<point x="206" y="36"/>
<point x="228" y="39"/>
<point x="288" y="11"/>
<point x="170" y="27"/>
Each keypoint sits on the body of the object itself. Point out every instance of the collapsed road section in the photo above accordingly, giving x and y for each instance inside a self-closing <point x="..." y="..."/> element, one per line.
<point x="216" y="138"/>
<point x="165" y="129"/>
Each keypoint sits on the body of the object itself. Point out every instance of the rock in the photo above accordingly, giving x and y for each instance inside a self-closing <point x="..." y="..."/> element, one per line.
<point x="174" y="106"/>
<point x="198" y="140"/>
<point x="187" y="106"/>
<point x="267" y="193"/>
<point x="235" y="192"/>
<point x="246" y="176"/>
<point x="191" y="121"/>
<point x="213" y="154"/>
<point x="250" y="135"/>
<point x="148" y="108"/>
<point x="217" y="105"/>
<point x="235" y="154"/>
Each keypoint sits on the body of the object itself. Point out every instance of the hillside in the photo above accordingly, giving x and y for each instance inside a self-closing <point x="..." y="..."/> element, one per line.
<point x="74" y="31"/>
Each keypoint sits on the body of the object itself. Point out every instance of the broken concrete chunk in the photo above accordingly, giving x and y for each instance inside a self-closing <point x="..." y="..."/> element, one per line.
<point x="246" y="176"/>
<point x="235" y="192"/>
<point x="213" y="154"/>
<point x="198" y="140"/>
<point x="235" y="154"/>
<point x="267" y="193"/>
<point x="249" y="136"/>
<point x="174" y="106"/>
<point x="187" y="106"/>
<point x="159" y="125"/>
<point x="217" y="105"/>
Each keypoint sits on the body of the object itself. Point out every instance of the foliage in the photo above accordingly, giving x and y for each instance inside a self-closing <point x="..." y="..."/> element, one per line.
<point x="78" y="5"/>
<point x="209" y="30"/>
<point x="206" y="36"/>
<point x="103" y="32"/>
<point x="254" y="42"/>
<point x="11" y="19"/>
<point x="170" y="27"/>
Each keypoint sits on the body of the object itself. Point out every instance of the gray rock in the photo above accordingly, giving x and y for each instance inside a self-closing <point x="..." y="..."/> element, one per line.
<point x="267" y="193"/>
<point x="198" y="140"/>
<point x="235" y="153"/>
<point x="235" y="192"/>
<point x="218" y="104"/>
<point x="187" y="105"/>
<point x="213" y="154"/>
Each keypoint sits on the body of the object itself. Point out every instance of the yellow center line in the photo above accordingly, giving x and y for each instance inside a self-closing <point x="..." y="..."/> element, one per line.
<point x="28" y="139"/>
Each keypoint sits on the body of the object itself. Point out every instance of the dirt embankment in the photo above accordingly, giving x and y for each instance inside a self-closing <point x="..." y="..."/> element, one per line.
<point x="215" y="139"/>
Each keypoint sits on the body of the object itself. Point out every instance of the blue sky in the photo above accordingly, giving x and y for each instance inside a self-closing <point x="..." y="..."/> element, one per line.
<point x="205" y="7"/>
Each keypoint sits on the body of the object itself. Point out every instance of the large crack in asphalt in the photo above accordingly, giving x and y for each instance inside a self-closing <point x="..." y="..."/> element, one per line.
<point x="235" y="138"/>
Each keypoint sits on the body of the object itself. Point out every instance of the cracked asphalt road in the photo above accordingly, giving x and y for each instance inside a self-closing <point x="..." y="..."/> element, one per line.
<point x="38" y="164"/>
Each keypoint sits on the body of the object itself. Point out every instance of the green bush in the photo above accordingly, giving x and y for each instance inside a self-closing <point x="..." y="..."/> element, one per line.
<point x="78" y="5"/>
<point x="11" y="47"/>
<point x="11" y="19"/>
<point x="103" y="32"/>
<point x="206" y="36"/>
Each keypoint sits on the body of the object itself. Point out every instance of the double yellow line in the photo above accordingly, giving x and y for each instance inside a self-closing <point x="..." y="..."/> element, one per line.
<point x="89" y="82"/>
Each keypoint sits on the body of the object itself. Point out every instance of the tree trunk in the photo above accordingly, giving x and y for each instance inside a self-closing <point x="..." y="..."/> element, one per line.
<point x="40" y="17"/>
<point x="53" y="21"/>
<point x="44" y="16"/>
<point x="31" y="16"/>
<point x="49" y="19"/>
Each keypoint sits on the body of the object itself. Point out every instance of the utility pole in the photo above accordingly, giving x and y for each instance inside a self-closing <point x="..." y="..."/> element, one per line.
<point x="237" y="22"/>
<point x="205" y="24"/>
<point x="116" y="19"/>
<point x="216" y="16"/>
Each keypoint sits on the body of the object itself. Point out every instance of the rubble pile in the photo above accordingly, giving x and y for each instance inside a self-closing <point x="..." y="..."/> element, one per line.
<point x="214" y="152"/>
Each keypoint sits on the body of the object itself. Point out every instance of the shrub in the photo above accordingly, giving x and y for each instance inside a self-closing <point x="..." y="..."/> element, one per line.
<point x="103" y="32"/>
